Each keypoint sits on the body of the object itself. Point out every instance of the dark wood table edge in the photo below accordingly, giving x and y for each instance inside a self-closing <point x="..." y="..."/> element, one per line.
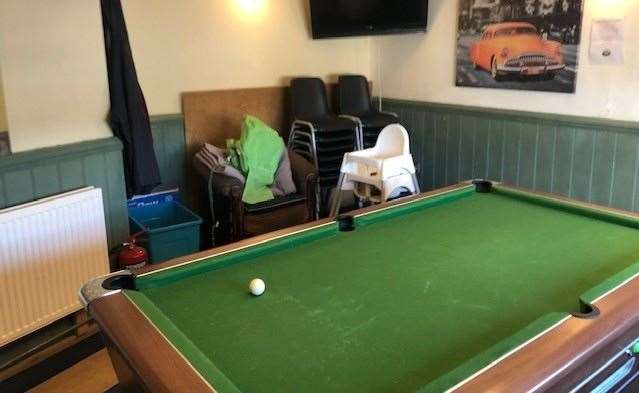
<point x="149" y="363"/>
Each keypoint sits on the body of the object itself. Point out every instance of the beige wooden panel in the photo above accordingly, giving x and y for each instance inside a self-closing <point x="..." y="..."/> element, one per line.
<point x="216" y="115"/>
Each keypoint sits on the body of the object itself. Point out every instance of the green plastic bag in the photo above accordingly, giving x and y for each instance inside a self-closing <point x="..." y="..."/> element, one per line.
<point x="257" y="155"/>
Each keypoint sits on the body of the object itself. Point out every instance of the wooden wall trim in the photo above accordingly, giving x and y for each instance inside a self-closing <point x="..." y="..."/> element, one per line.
<point x="61" y="151"/>
<point x="506" y="114"/>
<point x="166" y="117"/>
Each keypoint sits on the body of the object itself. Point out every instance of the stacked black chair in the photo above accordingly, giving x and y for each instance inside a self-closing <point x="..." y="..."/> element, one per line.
<point x="319" y="134"/>
<point x="354" y="100"/>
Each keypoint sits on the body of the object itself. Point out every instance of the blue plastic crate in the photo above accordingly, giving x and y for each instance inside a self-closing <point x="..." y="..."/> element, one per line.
<point x="171" y="230"/>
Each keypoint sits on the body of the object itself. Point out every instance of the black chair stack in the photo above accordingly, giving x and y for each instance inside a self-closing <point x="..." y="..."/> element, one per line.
<point x="354" y="100"/>
<point x="319" y="134"/>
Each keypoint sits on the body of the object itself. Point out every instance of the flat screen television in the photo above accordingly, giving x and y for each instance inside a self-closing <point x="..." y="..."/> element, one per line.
<point x="340" y="18"/>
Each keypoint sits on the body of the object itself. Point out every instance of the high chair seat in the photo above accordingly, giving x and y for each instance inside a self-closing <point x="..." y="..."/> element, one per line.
<point x="375" y="174"/>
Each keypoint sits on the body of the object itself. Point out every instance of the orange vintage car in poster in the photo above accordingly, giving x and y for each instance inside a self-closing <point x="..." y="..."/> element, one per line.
<point x="516" y="48"/>
<point x="519" y="44"/>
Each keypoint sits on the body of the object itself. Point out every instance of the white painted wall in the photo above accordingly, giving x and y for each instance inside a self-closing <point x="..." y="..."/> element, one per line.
<point x="422" y="67"/>
<point x="54" y="72"/>
<point x="224" y="44"/>
<point x="4" y="123"/>
<point x="55" y="80"/>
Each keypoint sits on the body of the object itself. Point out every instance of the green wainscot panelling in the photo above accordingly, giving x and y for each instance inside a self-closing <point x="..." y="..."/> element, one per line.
<point x="594" y="160"/>
<point x="170" y="148"/>
<point x="30" y="175"/>
<point x="27" y="176"/>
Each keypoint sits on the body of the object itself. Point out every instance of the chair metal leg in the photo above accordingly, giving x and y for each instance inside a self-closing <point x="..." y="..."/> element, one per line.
<point x="337" y="198"/>
<point x="291" y="136"/>
<point x="359" y="131"/>
<point x="415" y="183"/>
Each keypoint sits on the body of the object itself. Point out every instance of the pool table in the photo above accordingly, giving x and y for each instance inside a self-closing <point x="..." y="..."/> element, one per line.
<point x="476" y="287"/>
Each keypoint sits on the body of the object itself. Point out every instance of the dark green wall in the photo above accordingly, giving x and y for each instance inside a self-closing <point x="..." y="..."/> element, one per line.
<point x="589" y="159"/>
<point x="30" y="175"/>
<point x="170" y="148"/>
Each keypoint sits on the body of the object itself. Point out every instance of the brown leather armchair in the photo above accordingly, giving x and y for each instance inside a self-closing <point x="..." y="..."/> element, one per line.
<point x="232" y="220"/>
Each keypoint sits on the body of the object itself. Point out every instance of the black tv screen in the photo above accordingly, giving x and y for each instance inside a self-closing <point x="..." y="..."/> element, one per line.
<point x="339" y="18"/>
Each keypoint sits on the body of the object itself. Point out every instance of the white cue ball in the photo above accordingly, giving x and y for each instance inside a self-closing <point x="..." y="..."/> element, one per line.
<point x="257" y="287"/>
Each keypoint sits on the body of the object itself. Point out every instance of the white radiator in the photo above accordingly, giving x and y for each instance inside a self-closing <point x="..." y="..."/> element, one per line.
<point x="48" y="249"/>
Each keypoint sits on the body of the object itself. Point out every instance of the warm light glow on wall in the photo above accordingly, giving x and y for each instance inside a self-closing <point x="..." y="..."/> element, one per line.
<point x="609" y="8"/>
<point x="610" y="3"/>
<point x="250" y="8"/>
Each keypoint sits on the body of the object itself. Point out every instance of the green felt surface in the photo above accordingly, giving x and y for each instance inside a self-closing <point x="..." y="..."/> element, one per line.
<point x="412" y="302"/>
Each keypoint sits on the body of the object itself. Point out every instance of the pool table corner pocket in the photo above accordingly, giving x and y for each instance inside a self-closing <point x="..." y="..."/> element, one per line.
<point x="586" y="310"/>
<point x="483" y="186"/>
<point x="106" y="285"/>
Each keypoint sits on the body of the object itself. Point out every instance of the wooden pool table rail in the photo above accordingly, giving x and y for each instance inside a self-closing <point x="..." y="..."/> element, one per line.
<point x="547" y="362"/>
<point x="543" y="364"/>
<point x="150" y="363"/>
<point x="257" y="240"/>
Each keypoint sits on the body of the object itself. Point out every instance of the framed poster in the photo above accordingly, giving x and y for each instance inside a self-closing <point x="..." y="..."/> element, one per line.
<point x="519" y="44"/>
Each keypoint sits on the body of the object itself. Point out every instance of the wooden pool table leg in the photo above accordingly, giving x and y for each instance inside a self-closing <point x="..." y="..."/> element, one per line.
<point x="129" y="382"/>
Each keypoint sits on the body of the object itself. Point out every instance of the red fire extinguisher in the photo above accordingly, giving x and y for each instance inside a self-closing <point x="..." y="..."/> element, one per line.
<point x="131" y="255"/>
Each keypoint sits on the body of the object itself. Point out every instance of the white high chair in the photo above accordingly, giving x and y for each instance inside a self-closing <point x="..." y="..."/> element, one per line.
<point x="374" y="174"/>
